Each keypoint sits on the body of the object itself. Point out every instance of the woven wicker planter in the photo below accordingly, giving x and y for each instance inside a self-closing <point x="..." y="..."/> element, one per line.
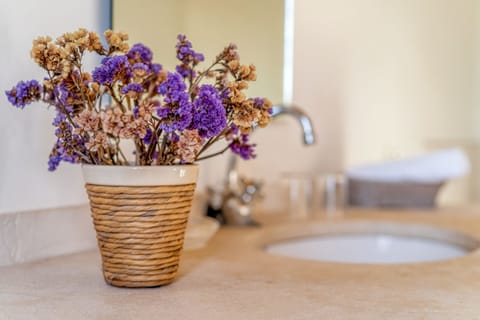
<point x="140" y="215"/>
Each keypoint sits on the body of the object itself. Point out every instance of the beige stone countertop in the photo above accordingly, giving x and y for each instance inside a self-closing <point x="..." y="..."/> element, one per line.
<point x="232" y="278"/>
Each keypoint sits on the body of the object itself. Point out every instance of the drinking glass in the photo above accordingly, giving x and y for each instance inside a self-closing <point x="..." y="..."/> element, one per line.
<point x="330" y="193"/>
<point x="300" y="194"/>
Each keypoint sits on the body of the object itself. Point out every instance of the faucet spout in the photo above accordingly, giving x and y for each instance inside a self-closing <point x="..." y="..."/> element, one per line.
<point x="301" y="116"/>
<point x="236" y="204"/>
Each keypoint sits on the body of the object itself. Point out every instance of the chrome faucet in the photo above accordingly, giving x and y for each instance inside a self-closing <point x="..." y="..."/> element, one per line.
<point x="305" y="122"/>
<point x="233" y="205"/>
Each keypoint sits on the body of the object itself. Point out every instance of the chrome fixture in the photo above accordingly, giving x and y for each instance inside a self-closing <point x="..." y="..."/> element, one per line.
<point x="233" y="205"/>
<point x="301" y="116"/>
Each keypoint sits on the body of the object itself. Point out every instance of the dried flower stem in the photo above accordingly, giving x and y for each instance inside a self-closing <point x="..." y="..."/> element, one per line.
<point x="90" y="103"/>
<point x="202" y="75"/>
<point x="83" y="156"/>
<point x="162" y="146"/>
<point x="114" y="97"/>
<point x="153" y="143"/>
<point x="67" y="114"/>
<point x="210" y="142"/>
<point x="117" y="145"/>
<point x="214" y="154"/>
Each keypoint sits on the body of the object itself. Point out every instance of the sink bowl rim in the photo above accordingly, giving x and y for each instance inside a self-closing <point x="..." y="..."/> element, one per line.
<point x="285" y="233"/>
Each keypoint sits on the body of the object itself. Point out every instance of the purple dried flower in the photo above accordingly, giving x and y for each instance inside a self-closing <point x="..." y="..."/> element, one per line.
<point x="68" y="145"/>
<point x="173" y="86"/>
<point x="140" y="68"/>
<point x="163" y="112"/>
<point x="65" y="150"/>
<point x="58" y="119"/>
<point x="53" y="162"/>
<point x="141" y="57"/>
<point x="65" y="96"/>
<point x="260" y="104"/>
<point x="258" y="101"/>
<point x="148" y="136"/>
<point x="209" y="115"/>
<point x="234" y="129"/>
<point x="174" y="137"/>
<point x="111" y="69"/>
<point x="156" y="68"/>
<point x="187" y="56"/>
<point x="140" y="53"/>
<point x="242" y="148"/>
<point x="25" y="92"/>
<point x="176" y="114"/>
<point x="135" y="112"/>
<point x="225" y="94"/>
<point x="185" y="71"/>
<point x="132" y="88"/>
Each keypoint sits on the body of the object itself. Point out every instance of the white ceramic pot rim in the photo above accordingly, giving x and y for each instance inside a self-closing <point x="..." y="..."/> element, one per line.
<point x="168" y="175"/>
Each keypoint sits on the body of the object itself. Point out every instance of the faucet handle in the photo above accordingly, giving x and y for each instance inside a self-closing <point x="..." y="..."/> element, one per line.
<point x="251" y="189"/>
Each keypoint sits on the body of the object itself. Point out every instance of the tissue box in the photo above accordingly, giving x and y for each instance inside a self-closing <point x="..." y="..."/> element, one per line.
<point x="367" y="193"/>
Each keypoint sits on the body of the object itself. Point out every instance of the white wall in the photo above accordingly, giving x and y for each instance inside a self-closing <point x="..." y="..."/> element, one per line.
<point x="476" y="83"/>
<point x="398" y="73"/>
<point x="409" y="77"/>
<point x="27" y="136"/>
<point x="385" y="79"/>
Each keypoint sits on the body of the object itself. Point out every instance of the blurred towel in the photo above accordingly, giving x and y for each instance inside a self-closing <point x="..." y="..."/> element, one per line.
<point x="431" y="168"/>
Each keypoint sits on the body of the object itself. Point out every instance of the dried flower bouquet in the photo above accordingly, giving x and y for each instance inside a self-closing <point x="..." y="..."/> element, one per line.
<point x="171" y="117"/>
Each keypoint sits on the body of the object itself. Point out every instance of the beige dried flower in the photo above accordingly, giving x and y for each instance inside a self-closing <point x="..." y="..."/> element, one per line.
<point x="242" y="85"/>
<point x="236" y="95"/>
<point x="253" y="73"/>
<point x="95" y="87"/>
<point x="229" y="53"/>
<point x="138" y="74"/>
<point x="94" y="43"/>
<point x="188" y="145"/>
<point x="100" y="140"/>
<point x="123" y="125"/>
<point x="75" y="43"/>
<point x="234" y="65"/>
<point x="145" y="109"/>
<point x="134" y="128"/>
<point x="38" y="50"/>
<point x="88" y="121"/>
<point x="250" y="112"/>
<point x="117" y="41"/>
<point x="245" y="115"/>
<point x="264" y="117"/>
<point x="112" y="121"/>
<point x="47" y="85"/>
<point x="53" y="58"/>
<point x="247" y="72"/>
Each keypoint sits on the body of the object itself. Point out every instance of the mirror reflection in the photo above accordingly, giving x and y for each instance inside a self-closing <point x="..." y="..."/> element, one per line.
<point x="380" y="81"/>
<point x="256" y="27"/>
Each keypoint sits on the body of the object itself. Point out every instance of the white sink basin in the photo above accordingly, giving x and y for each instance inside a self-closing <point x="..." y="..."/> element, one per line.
<point x="377" y="247"/>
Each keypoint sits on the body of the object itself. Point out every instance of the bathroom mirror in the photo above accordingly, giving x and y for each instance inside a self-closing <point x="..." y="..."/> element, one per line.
<point x="255" y="26"/>
<point x="380" y="80"/>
